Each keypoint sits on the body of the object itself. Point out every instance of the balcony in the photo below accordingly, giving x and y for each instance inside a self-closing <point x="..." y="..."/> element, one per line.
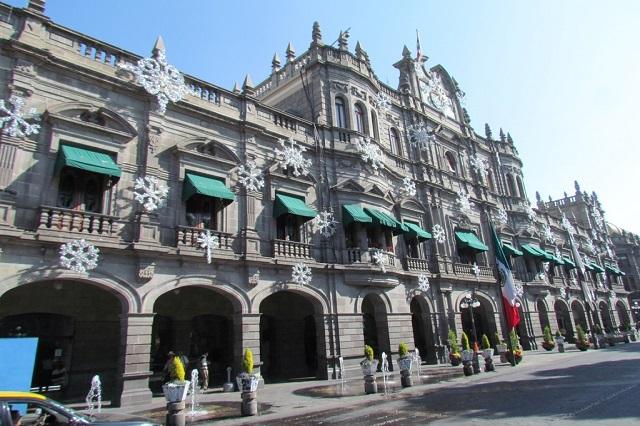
<point x="54" y="221"/>
<point x="415" y="264"/>
<point x="292" y="249"/>
<point x="187" y="238"/>
<point x="466" y="269"/>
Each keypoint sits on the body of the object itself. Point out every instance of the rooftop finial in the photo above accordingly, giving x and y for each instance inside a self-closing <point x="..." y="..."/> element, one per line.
<point x="343" y="40"/>
<point x="576" y="185"/>
<point x="538" y="198"/>
<point x="247" y="86"/>
<point x="316" y="34"/>
<point x="509" y="140"/>
<point x="236" y="88"/>
<point x="502" y="136"/>
<point x="406" y="53"/>
<point x="275" y="62"/>
<point x="420" y="57"/>
<point x="487" y="131"/>
<point x="36" y="6"/>
<point x="158" y="47"/>
<point x="291" y="52"/>
<point x="359" y="51"/>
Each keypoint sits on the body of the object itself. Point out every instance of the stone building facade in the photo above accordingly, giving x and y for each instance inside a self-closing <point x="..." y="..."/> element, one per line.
<point x="411" y="187"/>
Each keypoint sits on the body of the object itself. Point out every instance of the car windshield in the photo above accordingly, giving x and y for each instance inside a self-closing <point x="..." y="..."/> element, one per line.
<point x="71" y="412"/>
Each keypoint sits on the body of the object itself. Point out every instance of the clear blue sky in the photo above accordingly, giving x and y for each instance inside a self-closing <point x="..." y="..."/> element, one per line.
<point x="562" y="76"/>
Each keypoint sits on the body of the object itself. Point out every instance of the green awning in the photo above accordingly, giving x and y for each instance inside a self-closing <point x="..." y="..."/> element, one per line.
<point x="86" y="159"/>
<point x="415" y="231"/>
<point x="470" y="240"/>
<point x="289" y="204"/>
<point x="383" y="219"/>
<point x="614" y="270"/>
<point x="534" y="251"/>
<point x="588" y="266"/>
<point x="597" y="267"/>
<point x="354" y="213"/>
<point x="568" y="262"/>
<point x="555" y="259"/>
<point x="208" y="186"/>
<point x="510" y="250"/>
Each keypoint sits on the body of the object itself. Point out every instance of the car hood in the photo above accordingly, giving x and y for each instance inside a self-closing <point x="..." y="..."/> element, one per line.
<point x="122" y="420"/>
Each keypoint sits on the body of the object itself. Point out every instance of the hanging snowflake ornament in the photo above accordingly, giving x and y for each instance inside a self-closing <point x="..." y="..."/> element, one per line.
<point x="370" y="153"/>
<point x="380" y="259"/>
<point x="324" y="224"/>
<point x="531" y="214"/>
<point x="79" y="256"/>
<point x="423" y="283"/>
<point x="158" y="78"/>
<point x="480" y="165"/>
<point x="408" y="187"/>
<point x="463" y="202"/>
<point x="150" y="193"/>
<point x="586" y="261"/>
<point x="597" y="218"/>
<point x="250" y="176"/>
<point x="301" y="274"/>
<point x="588" y="245"/>
<point x="519" y="289"/>
<point x="475" y="270"/>
<point x="563" y="293"/>
<point x="548" y="234"/>
<point x="208" y="242"/>
<point x="438" y="233"/>
<point x="567" y="225"/>
<point x="383" y="103"/>
<point x="292" y="157"/>
<point x="14" y="123"/>
<point x="502" y="217"/>
<point x="420" y="136"/>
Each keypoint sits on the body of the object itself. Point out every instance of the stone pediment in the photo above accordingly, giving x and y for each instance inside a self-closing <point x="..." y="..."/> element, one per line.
<point x="83" y="115"/>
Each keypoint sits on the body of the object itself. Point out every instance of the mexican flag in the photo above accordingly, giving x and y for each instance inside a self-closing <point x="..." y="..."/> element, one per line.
<point x="509" y="294"/>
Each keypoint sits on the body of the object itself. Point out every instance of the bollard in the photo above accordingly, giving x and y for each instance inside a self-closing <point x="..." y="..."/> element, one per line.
<point x="370" y="385"/>
<point x="249" y="405"/>
<point x="405" y="378"/>
<point x="175" y="414"/>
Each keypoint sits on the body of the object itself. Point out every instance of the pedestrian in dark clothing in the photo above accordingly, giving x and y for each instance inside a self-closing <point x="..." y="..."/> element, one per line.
<point x="203" y="371"/>
<point x="184" y="359"/>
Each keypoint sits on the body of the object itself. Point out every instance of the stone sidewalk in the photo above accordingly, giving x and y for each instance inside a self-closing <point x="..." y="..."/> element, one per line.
<point x="281" y="400"/>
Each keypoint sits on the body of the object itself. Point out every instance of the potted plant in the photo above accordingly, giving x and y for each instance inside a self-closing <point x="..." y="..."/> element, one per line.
<point x="454" y="355"/>
<point x="248" y="385"/>
<point x="487" y="353"/>
<point x="369" y="367"/>
<point x="175" y="390"/>
<point x="404" y="363"/>
<point x="514" y="356"/>
<point x="560" y="341"/>
<point x="467" y="355"/>
<point x="548" y="340"/>
<point x="582" y="343"/>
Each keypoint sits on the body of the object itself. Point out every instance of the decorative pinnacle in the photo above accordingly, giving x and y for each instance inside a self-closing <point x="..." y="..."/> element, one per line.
<point x="576" y="185"/>
<point x="538" y="198"/>
<point x="405" y="52"/>
<point x="509" y="140"/>
<point x="316" y="34"/>
<point x="360" y="54"/>
<point x="487" y="131"/>
<point x="275" y="62"/>
<point x="247" y="86"/>
<point x="502" y="136"/>
<point x="159" y="46"/>
<point x="291" y="52"/>
<point x="236" y="88"/>
<point x="343" y="40"/>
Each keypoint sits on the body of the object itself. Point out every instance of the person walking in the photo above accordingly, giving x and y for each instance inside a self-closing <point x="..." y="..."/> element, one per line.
<point x="203" y="371"/>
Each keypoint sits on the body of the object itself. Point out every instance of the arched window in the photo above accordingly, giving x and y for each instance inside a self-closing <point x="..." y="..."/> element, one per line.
<point x="341" y="116"/>
<point x="394" y="141"/>
<point x="359" y="115"/>
<point x="511" y="185"/>
<point x="492" y="185"/>
<point x="374" y="125"/>
<point x="451" y="161"/>
<point x="520" y="187"/>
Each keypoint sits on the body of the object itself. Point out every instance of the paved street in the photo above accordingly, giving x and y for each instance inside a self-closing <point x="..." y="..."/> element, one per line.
<point x="595" y="387"/>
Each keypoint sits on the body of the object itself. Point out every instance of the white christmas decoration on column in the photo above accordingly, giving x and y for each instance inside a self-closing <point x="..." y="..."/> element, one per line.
<point x="480" y="165"/>
<point x="463" y="202"/>
<point x="383" y="103"/>
<point x="548" y="234"/>
<point x="590" y="247"/>
<point x="150" y="193"/>
<point x="438" y="233"/>
<point x="370" y="152"/>
<point x="423" y="283"/>
<point x="301" y="274"/>
<point x="14" y="123"/>
<point x="408" y="187"/>
<point x="158" y="78"/>
<point x="250" y="176"/>
<point x="531" y="214"/>
<point x="519" y="289"/>
<point x="292" y="157"/>
<point x="208" y="242"/>
<point x="502" y="217"/>
<point x="79" y="256"/>
<point x="597" y="218"/>
<point x="324" y="224"/>
<point x="380" y="259"/>
<point x="420" y="136"/>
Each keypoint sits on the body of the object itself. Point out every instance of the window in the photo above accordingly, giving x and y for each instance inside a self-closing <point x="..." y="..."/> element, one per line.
<point x="492" y="185"/>
<point x="288" y="228"/>
<point x="520" y="186"/>
<point x="359" y="114"/>
<point x="204" y="212"/>
<point x="341" y="117"/>
<point x="374" y="125"/>
<point x="80" y="190"/>
<point x="451" y="161"/>
<point x="511" y="186"/>
<point x="394" y="140"/>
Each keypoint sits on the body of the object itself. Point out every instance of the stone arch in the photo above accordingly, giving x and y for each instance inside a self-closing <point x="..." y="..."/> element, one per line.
<point x="315" y="296"/>
<point x="481" y="317"/>
<point x="543" y="313"/>
<point x="126" y="294"/>
<point x="236" y="296"/>
<point x="80" y="111"/>
<point x="423" y="327"/>
<point x="563" y="318"/>
<point x="484" y="297"/>
<point x="579" y="314"/>
<point x="357" y="308"/>
<point x="210" y="147"/>
<point x="623" y="313"/>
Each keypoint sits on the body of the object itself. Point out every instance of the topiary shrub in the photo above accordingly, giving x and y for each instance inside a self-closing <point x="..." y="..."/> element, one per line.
<point x="485" y="342"/>
<point x="368" y="352"/>
<point x="465" y="342"/>
<point x="548" y="339"/>
<point x="403" y="350"/>
<point x="247" y="361"/>
<point x="583" y="342"/>
<point x="176" y="370"/>
<point x="453" y="342"/>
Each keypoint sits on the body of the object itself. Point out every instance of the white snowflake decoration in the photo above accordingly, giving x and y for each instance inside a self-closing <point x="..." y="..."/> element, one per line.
<point x="519" y="289"/>
<point x="594" y="235"/>
<point x="563" y="292"/>
<point x="423" y="283"/>
<point x="612" y="294"/>
<point x="463" y="202"/>
<point x="370" y="152"/>
<point x="208" y="242"/>
<point x="479" y="164"/>
<point x="502" y="216"/>
<point x="475" y="270"/>
<point x="380" y="259"/>
<point x="597" y="218"/>
<point x="531" y="214"/>
<point x="324" y="224"/>
<point x="150" y="192"/>
<point x="586" y="261"/>
<point x="159" y="79"/>
<point x="250" y="176"/>
<point x="567" y="225"/>
<point x="546" y="266"/>
<point x="437" y="94"/>
<point x="557" y="253"/>
<point x="420" y="136"/>
<point x="301" y="274"/>
<point x="79" y="256"/>
<point x="16" y="119"/>
<point x="292" y="156"/>
<point x="548" y="234"/>
<point x="383" y="103"/>
<point x="408" y="187"/>
<point x="590" y="247"/>
<point x="438" y="233"/>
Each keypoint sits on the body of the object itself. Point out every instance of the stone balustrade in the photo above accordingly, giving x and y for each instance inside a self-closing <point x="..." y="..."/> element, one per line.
<point x="294" y="249"/>
<point x="188" y="237"/>
<point x="67" y="220"/>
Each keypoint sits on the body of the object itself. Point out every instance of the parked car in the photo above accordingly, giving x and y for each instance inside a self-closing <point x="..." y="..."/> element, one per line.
<point x="32" y="409"/>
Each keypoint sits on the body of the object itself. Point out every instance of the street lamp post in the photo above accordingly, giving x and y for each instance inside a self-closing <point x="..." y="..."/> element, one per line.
<point x="635" y="308"/>
<point x="469" y="302"/>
